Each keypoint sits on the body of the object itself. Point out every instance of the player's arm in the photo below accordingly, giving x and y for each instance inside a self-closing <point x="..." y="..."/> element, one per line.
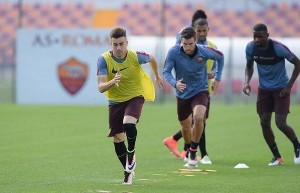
<point x="295" y="74"/>
<point x="103" y="83"/>
<point x="248" y="75"/>
<point x="211" y="72"/>
<point x="218" y="56"/>
<point x="167" y="72"/>
<point x="296" y="71"/>
<point x="147" y="58"/>
<point x="249" y="68"/>
<point x="153" y="65"/>
<point x="284" y="52"/>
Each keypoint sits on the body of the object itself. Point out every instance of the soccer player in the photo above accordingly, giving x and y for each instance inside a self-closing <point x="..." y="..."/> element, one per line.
<point x="274" y="87"/>
<point x="197" y="15"/>
<point x="126" y="86"/>
<point x="191" y="83"/>
<point x="200" y="25"/>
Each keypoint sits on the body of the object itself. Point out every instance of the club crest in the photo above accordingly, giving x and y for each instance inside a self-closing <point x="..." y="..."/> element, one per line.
<point x="199" y="59"/>
<point x="72" y="75"/>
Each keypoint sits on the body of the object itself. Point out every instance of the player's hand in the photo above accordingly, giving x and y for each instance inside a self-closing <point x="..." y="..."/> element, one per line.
<point x="215" y="86"/>
<point x="210" y="75"/>
<point x="180" y="85"/>
<point x="285" y="92"/>
<point x="247" y="89"/>
<point x="159" y="82"/>
<point x="117" y="78"/>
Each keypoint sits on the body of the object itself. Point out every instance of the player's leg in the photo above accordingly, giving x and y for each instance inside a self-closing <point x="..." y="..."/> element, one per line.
<point x="187" y="134"/>
<point x="116" y="114"/>
<point x="265" y="122"/>
<point x="202" y="143"/>
<point x="185" y="153"/>
<point x="121" y="151"/>
<point x="199" y="105"/>
<point x="132" y="114"/>
<point x="290" y="133"/>
<point x="198" y="117"/>
<point x="184" y="111"/>
<point x="172" y="143"/>
<point x="120" y="148"/>
<point x="204" y="159"/>
<point x="265" y="107"/>
<point x="282" y="105"/>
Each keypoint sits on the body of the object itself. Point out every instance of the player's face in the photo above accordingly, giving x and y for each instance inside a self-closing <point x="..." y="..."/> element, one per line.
<point x="201" y="32"/>
<point x="188" y="45"/>
<point x="260" y="38"/>
<point x="119" y="47"/>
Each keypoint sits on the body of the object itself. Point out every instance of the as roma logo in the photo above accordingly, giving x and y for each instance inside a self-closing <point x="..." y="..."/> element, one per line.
<point x="199" y="59"/>
<point x="72" y="75"/>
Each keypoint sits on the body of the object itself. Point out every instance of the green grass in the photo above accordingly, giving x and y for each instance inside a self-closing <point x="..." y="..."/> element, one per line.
<point x="64" y="149"/>
<point x="6" y="90"/>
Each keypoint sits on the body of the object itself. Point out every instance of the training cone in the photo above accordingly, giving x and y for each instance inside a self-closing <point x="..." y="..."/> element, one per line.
<point x="241" y="166"/>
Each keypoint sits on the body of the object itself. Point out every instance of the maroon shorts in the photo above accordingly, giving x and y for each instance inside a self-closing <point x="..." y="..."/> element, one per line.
<point x="270" y="101"/>
<point x="132" y="107"/>
<point x="185" y="106"/>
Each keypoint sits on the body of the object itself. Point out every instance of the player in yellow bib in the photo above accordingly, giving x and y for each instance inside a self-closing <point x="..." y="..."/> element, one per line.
<point x="126" y="86"/>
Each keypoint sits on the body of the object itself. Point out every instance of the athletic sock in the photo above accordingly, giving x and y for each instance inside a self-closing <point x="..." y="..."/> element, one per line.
<point x="187" y="149"/>
<point x="202" y="144"/>
<point x="193" y="149"/>
<point x="177" y="136"/>
<point x="130" y="155"/>
<point x="275" y="151"/>
<point x="120" y="149"/>
<point x="131" y="133"/>
<point x="296" y="144"/>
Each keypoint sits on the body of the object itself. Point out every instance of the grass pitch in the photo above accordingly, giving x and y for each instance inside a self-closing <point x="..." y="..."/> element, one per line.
<point x="64" y="149"/>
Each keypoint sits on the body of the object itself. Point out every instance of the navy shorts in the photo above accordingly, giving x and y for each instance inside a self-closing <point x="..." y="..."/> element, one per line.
<point x="269" y="101"/>
<point x="132" y="107"/>
<point x="185" y="106"/>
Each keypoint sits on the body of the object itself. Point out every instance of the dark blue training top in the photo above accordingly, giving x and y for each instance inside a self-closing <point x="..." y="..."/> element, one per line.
<point x="270" y="63"/>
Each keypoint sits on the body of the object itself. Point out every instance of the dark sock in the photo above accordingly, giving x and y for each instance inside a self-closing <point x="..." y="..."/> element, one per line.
<point x="130" y="156"/>
<point x="177" y="136"/>
<point x="131" y="133"/>
<point x="194" y="145"/>
<point x="193" y="149"/>
<point x="275" y="150"/>
<point x="296" y="144"/>
<point x="187" y="148"/>
<point x="202" y="144"/>
<point x="121" y="151"/>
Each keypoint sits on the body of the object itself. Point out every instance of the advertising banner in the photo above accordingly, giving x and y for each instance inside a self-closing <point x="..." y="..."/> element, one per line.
<point x="59" y="66"/>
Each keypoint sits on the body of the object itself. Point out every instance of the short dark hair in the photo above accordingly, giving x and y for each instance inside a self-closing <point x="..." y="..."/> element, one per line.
<point x="198" y="14"/>
<point x="260" y="27"/>
<point x="117" y="33"/>
<point x="200" y="21"/>
<point x="188" y="33"/>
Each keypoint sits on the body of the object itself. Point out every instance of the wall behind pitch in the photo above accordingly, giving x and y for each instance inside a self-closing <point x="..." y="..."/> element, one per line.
<point x="59" y="66"/>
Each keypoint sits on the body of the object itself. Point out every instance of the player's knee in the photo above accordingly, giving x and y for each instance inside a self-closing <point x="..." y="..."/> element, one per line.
<point x="265" y="123"/>
<point x="130" y="130"/>
<point x="199" y="119"/>
<point x="118" y="138"/>
<point x="281" y="124"/>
